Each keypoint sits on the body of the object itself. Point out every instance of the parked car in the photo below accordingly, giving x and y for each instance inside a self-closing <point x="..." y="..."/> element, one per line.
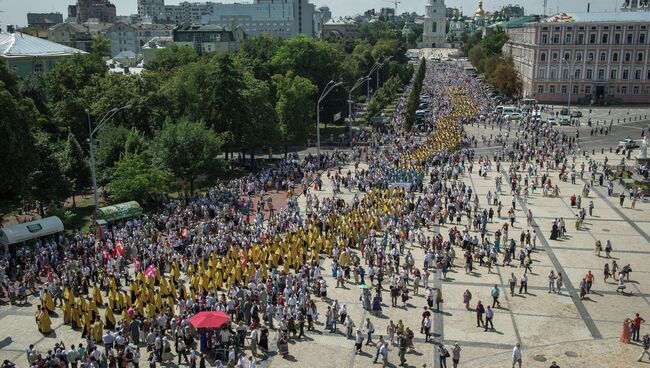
<point x="552" y="120"/>
<point x="513" y="116"/>
<point x="628" y="143"/>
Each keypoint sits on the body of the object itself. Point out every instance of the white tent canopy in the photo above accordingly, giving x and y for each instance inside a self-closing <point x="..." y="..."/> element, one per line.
<point x="30" y="230"/>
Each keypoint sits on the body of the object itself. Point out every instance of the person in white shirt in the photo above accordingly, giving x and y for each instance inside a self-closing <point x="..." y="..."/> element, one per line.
<point x="516" y="355"/>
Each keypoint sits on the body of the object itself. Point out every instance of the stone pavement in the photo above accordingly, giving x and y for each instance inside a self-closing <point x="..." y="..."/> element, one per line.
<point x="574" y="332"/>
<point x="549" y="326"/>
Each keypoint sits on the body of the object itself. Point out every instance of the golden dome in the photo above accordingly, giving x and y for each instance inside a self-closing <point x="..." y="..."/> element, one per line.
<point x="479" y="12"/>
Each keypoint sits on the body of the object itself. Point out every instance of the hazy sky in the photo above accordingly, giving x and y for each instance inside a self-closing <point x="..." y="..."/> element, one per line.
<point x="15" y="11"/>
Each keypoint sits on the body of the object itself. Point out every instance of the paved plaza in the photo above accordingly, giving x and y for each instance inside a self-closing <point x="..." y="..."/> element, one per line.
<point x="549" y="326"/>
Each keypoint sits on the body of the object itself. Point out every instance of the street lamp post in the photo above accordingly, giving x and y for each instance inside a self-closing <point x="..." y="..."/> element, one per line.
<point x="350" y="116"/>
<point x="92" y="132"/>
<point x="570" y="85"/>
<point x="368" y="78"/>
<point x="380" y="66"/>
<point x="328" y="88"/>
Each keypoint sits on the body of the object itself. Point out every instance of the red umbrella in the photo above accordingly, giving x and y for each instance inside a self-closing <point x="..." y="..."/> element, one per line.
<point x="209" y="319"/>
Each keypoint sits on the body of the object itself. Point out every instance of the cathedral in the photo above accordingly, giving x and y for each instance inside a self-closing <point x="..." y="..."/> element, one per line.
<point x="459" y="23"/>
<point x="435" y="24"/>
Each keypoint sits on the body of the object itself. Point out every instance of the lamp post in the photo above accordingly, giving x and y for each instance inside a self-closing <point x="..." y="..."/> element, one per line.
<point x="328" y="88"/>
<point x="358" y="83"/>
<point x="92" y="132"/>
<point x="380" y="66"/>
<point x="368" y="78"/>
<point x="570" y="65"/>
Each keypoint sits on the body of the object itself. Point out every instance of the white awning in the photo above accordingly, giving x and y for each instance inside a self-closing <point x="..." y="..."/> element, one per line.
<point x="30" y="230"/>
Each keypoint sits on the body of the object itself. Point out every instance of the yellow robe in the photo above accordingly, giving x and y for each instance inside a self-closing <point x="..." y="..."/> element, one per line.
<point x="48" y="303"/>
<point x="98" y="331"/>
<point x="43" y="322"/>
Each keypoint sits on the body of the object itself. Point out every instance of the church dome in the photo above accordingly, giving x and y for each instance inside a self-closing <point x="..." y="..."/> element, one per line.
<point x="479" y="12"/>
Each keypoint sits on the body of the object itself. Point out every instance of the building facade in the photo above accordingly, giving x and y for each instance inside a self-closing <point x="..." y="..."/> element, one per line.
<point x="435" y="23"/>
<point x="585" y="57"/>
<point x="83" y="10"/>
<point x="282" y="18"/>
<point x="27" y="54"/>
<point x="123" y="37"/>
<point x="71" y="35"/>
<point x="151" y="8"/>
<point x="186" y="12"/>
<point x="43" y="21"/>
<point x="205" y="39"/>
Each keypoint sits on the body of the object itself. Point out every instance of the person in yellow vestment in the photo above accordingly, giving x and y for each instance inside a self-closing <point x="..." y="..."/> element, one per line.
<point x="43" y="321"/>
<point x="97" y="296"/>
<point x="48" y="303"/>
<point x="97" y="331"/>
<point x="109" y="318"/>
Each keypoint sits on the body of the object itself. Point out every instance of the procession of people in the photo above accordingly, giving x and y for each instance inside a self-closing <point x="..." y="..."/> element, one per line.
<point x="134" y="290"/>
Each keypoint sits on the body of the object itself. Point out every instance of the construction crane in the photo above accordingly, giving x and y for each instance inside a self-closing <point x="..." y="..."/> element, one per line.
<point x="395" y="3"/>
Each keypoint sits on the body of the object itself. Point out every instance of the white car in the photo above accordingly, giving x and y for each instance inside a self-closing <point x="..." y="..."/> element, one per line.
<point x="565" y="121"/>
<point x="552" y="121"/>
<point x="513" y="116"/>
<point x="628" y="143"/>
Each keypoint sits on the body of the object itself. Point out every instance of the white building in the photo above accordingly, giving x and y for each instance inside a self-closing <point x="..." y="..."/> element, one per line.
<point x="435" y="23"/>
<point x="122" y="37"/>
<point x="132" y="37"/>
<point x="283" y="18"/>
<point x="151" y="8"/>
<point x="187" y="12"/>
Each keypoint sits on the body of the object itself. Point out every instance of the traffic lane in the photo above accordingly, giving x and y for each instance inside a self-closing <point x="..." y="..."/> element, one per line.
<point x="617" y="134"/>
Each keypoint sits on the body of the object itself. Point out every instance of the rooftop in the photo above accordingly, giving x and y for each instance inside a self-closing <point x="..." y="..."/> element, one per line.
<point x="637" y="16"/>
<point x="13" y="45"/>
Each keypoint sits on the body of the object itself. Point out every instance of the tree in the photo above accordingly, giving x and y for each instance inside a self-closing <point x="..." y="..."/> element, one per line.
<point x="17" y="117"/>
<point x="135" y="142"/>
<point x="47" y="182"/>
<point x="74" y="166"/>
<point x="188" y="150"/>
<point x="294" y="108"/>
<point x="172" y="57"/>
<point x="226" y="105"/>
<point x="493" y="42"/>
<point x="101" y="46"/>
<point x="505" y="79"/>
<point x="315" y="60"/>
<point x="108" y="147"/>
<point x="134" y="179"/>
<point x="256" y="54"/>
<point x="259" y="127"/>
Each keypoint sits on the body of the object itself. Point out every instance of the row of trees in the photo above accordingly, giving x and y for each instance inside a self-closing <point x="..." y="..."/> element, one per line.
<point x="486" y="56"/>
<point x="414" y="97"/>
<point x="185" y="110"/>
<point x="384" y="95"/>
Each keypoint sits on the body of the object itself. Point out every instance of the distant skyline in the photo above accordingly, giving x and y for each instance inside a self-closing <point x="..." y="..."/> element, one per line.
<point x="15" y="11"/>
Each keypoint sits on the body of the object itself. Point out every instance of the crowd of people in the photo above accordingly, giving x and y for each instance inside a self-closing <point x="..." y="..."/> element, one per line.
<point x="131" y="291"/>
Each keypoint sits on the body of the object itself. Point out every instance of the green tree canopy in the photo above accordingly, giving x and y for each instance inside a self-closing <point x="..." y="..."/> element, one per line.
<point x="101" y="46"/>
<point x="188" y="150"/>
<point x="17" y="117"/>
<point x="48" y="183"/>
<point x="134" y="178"/>
<point x="172" y="57"/>
<point x="295" y="107"/>
<point x="74" y="164"/>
